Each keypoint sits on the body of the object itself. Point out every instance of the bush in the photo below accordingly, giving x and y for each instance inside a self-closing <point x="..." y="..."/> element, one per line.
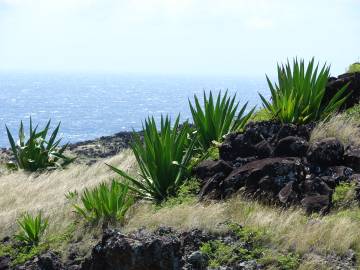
<point x="217" y="119"/>
<point x="298" y="96"/>
<point x="37" y="152"/>
<point x="163" y="158"/>
<point x="107" y="202"/>
<point x="354" y="68"/>
<point x="32" y="228"/>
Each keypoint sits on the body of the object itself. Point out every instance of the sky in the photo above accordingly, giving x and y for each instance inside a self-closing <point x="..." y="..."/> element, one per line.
<point x="208" y="37"/>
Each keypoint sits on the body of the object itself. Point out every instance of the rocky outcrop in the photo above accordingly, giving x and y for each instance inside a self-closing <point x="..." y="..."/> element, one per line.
<point x="276" y="162"/>
<point x="335" y="84"/>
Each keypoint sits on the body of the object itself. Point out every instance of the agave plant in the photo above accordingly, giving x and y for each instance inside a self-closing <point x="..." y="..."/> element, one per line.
<point x="37" y="152"/>
<point x="163" y="158"/>
<point x="298" y="95"/>
<point x="107" y="202"/>
<point x="217" y="119"/>
<point x="32" y="229"/>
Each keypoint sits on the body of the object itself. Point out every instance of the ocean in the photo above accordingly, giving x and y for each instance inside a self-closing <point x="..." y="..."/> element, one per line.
<point x="95" y="105"/>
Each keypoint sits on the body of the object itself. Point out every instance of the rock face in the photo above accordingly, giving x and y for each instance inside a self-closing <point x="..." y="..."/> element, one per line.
<point x="326" y="152"/>
<point x="276" y="162"/>
<point x="335" y="84"/>
<point x="120" y="252"/>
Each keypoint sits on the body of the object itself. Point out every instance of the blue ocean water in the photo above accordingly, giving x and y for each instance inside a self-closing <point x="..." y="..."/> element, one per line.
<point x="94" y="105"/>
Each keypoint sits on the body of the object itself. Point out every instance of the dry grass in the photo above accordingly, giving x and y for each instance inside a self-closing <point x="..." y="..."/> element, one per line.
<point x="22" y="191"/>
<point x="344" y="128"/>
<point x="289" y="229"/>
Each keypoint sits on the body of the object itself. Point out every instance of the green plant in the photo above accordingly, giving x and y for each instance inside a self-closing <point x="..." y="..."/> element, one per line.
<point x="32" y="229"/>
<point x="217" y="119"/>
<point x="186" y="194"/>
<point x="108" y="202"/>
<point x="354" y="68"/>
<point x="298" y="96"/>
<point x="71" y="195"/>
<point x="344" y="194"/>
<point x="163" y="158"/>
<point x="37" y="152"/>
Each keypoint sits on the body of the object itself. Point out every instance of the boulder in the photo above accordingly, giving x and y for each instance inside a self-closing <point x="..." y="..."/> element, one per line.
<point x="326" y="152"/>
<point x="334" y="175"/>
<point x="209" y="168"/>
<point x="138" y="252"/>
<point x="335" y="84"/>
<point x="264" y="175"/>
<point x="352" y="158"/>
<point x="316" y="203"/>
<point x="291" y="146"/>
<point x="259" y="139"/>
<point x="4" y="262"/>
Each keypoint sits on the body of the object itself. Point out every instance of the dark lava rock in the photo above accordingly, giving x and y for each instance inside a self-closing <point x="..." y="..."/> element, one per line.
<point x="333" y="176"/>
<point x="352" y="158"/>
<point x="316" y="203"/>
<point x="148" y="252"/>
<point x="326" y="152"/>
<point x="259" y="139"/>
<point x="46" y="261"/>
<point x="4" y="262"/>
<point x="265" y="175"/>
<point x="209" y="168"/>
<point x="289" y="193"/>
<point x="264" y="149"/>
<point x="291" y="146"/>
<point x="335" y="84"/>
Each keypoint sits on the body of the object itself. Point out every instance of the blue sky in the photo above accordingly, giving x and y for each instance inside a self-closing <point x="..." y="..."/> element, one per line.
<point x="209" y="37"/>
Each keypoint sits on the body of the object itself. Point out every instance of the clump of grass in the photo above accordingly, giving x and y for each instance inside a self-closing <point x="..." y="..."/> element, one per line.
<point x="185" y="195"/>
<point x="163" y="159"/>
<point x="354" y="68"/>
<point x="341" y="126"/>
<point x="217" y="118"/>
<point x="31" y="229"/>
<point x="261" y="115"/>
<point x="298" y="95"/>
<point x="107" y="202"/>
<point x="344" y="195"/>
<point x="38" y="152"/>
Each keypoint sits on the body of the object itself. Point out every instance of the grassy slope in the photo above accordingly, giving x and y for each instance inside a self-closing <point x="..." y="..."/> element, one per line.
<point x="288" y="229"/>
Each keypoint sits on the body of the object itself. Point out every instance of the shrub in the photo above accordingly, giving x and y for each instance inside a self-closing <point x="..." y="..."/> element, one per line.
<point x="217" y="119"/>
<point x="32" y="229"/>
<point x="37" y="152"/>
<point x="354" y="68"/>
<point x="344" y="195"/>
<point x="107" y="202"/>
<point x="298" y="96"/>
<point x="163" y="158"/>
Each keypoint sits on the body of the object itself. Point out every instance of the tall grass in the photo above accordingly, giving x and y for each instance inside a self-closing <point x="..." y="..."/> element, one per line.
<point x="163" y="158"/>
<point x="217" y="117"/>
<point x="298" y="95"/>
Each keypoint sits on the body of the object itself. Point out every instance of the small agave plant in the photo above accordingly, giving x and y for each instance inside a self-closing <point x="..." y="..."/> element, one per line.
<point x="38" y="152"/>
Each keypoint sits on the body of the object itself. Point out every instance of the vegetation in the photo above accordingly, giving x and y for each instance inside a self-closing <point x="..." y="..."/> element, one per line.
<point x="298" y="95"/>
<point x="37" y="152"/>
<point x="31" y="229"/>
<point x="107" y="202"/>
<point x="344" y="195"/>
<point x="163" y="159"/>
<point x="354" y="68"/>
<point x="217" y="119"/>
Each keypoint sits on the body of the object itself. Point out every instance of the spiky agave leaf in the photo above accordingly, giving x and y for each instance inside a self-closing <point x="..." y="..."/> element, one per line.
<point x="214" y="120"/>
<point x="298" y="95"/>
<point x="163" y="158"/>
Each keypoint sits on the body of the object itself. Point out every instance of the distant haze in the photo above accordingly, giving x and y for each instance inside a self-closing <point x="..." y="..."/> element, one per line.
<point x="176" y="36"/>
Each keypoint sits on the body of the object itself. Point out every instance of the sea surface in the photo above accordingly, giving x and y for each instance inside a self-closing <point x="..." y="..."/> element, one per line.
<point x="94" y="105"/>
